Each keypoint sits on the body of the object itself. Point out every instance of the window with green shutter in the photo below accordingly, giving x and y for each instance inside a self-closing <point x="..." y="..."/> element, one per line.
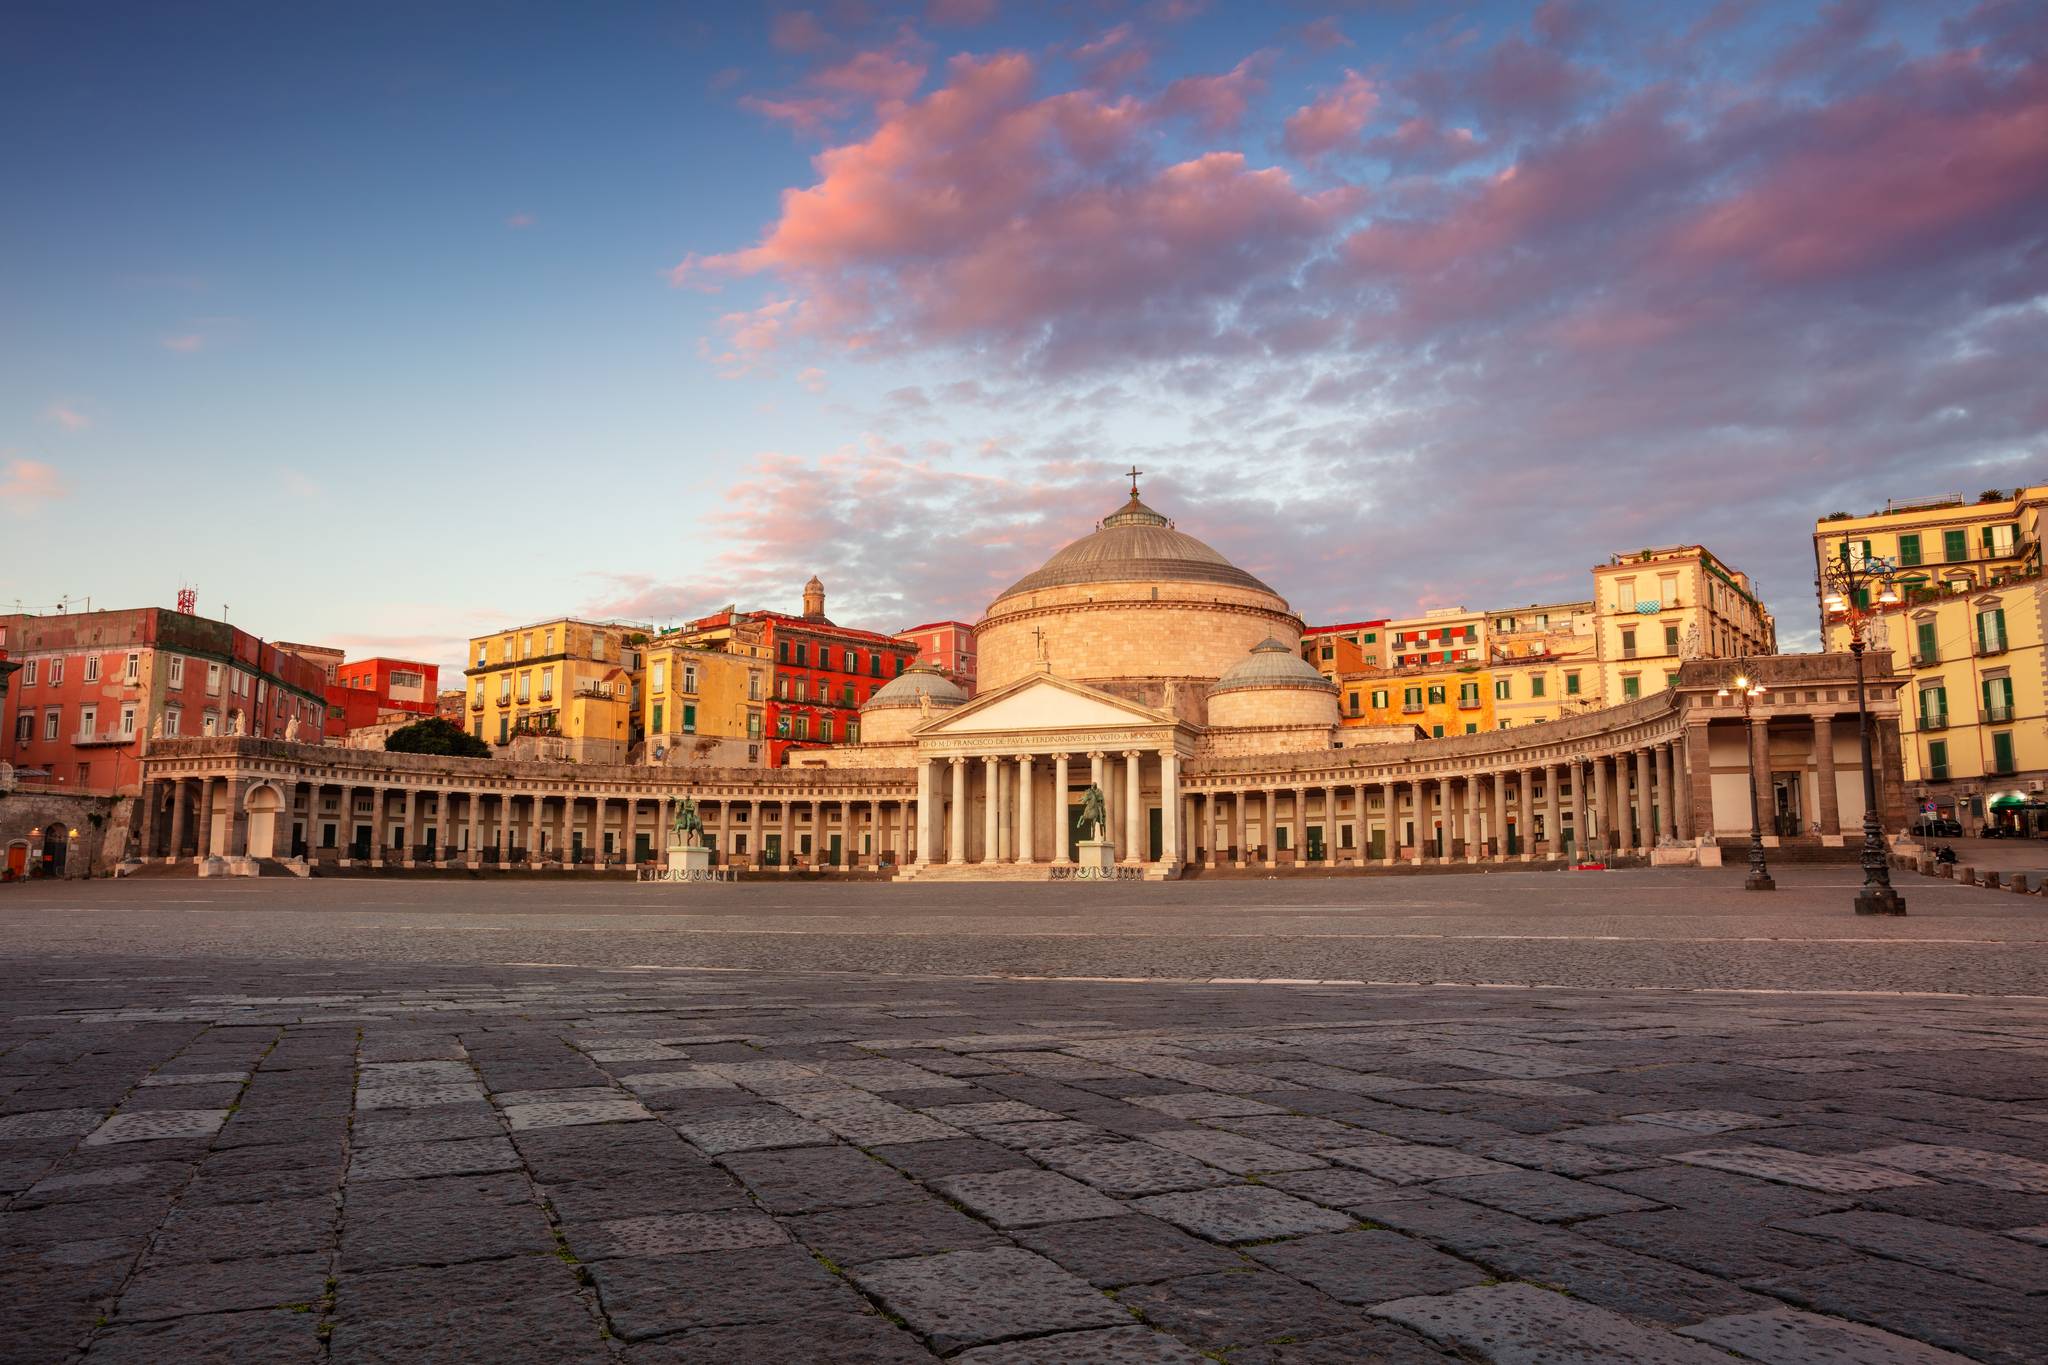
<point x="1997" y="700"/>
<point x="2001" y="752"/>
<point x="1436" y="732"/>
<point x="1991" y="631"/>
<point x="1412" y="696"/>
<point x="1379" y="699"/>
<point x="689" y="720"/>
<point x="1855" y="551"/>
<point x="1631" y="687"/>
<point x="1471" y="728"/>
<point x="656" y="726"/>
<point x="1436" y="694"/>
<point x="1536" y="681"/>
<point x="1372" y="637"/>
<point x="1924" y="649"/>
<point x="1937" y="759"/>
<point x="1501" y="689"/>
<point x="1671" y="639"/>
<point x="1571" y="684"/>
<point x="1909" y="550"/>
<point x="1955" y="546"/>
<point x="1933" y="707"/>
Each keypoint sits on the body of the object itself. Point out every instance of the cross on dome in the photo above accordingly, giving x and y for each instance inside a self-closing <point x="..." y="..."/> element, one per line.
<point x="1134" y="472"/>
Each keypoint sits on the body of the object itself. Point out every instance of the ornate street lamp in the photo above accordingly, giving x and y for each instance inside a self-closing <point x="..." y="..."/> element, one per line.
<point x="1849" y="582"/>
<point x="1749" y="689"/>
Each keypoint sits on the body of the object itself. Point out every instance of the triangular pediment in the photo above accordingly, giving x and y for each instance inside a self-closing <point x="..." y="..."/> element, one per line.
<point x="1043" y="703"/>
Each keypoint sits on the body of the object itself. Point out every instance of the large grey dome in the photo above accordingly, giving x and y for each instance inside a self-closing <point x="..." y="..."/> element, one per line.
<point x="918" y="680"/>
<point x="1271" y="664"/>
<point x="1135" y="545"/>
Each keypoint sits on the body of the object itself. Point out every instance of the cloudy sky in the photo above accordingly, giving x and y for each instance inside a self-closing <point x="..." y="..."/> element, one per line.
<point x="385" y="324"/>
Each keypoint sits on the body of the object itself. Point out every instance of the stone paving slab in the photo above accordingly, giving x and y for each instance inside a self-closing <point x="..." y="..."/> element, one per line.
<point x="660" y="1166"/>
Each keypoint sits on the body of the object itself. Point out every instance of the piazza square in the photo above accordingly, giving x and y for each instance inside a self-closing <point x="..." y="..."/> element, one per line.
<point x="997" y="682"/>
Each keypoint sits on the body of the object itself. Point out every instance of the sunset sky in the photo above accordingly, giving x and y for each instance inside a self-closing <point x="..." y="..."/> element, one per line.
<point x="387" y="324"/>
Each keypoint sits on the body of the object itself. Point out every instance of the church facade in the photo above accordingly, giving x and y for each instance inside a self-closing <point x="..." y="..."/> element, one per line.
<point x="1139" y="661"/>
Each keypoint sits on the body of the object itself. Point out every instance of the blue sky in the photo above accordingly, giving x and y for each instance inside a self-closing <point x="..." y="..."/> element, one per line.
<point x="382" y="325"/>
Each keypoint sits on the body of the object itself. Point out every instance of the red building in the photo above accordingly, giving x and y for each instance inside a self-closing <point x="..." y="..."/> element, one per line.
<point x="947" y="646"/>
<point x="823" y="673"/>
<point x="93" y="686"/>
<point x="366" y="691"/>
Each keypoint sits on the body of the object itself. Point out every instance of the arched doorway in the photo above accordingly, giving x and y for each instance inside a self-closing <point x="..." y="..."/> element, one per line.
<point x="56" y="846"/>
<point x="264" y="804"/>
<point x="17" y="860"/>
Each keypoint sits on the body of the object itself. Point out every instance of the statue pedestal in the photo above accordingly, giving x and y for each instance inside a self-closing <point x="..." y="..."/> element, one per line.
<point x="1095" y="860"/>
<point x="689" y="863"/>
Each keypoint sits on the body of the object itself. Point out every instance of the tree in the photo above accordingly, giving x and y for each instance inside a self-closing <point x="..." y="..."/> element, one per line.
<point x="436" y="736"/>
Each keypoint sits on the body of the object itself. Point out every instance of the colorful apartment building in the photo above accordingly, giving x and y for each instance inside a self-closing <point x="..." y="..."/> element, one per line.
<point x="378" y="690"/>
<point x="703" y="702"/>
<point x="823" y="672"/>
<point x="93" y="687"/>
<point x="947" y="646"/>
<point x="1969" y="627"/>
<point x="1655" y="608"/>
<point x="1455" y="671"/>
<point x="565" y="686"/>
<point x="1350" y="647"/>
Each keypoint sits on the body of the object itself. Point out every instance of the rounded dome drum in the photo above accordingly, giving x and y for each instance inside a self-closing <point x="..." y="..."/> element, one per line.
<point x="1135" y="545"/>
<point x="918" y="680"/>
<point x="1272" y="664"/>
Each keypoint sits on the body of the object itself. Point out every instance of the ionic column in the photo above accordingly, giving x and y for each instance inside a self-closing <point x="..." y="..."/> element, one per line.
<point x="1390" y="813"/>
<point x="1206" y="839"/>
<point x="1061" y="826"/>
<point x="1134" y="808"/>
<point x="1300" y="839"/>
<point x="1579" y="807"/>
<point x="1667" y="805"/>
<point x="991" y="806"/>
<point x="1553" y="828"/>
<point x="405" y="812"/>
<point x="1169" y="807"/>
<point x="957" y="826"/>
<point x="1646" y="820"/>
<point x="1471" y="817"/>
<point x="1603" y="814"/>
<point x="924" y="810"/>
<point x="181" y="796"/>
<point x="1237" y="827"/>
<point x="1027" y="840"/>
<point x="1760" y="757"/>
<point x="1824" y="774"/>
<point x="473" y="801"/>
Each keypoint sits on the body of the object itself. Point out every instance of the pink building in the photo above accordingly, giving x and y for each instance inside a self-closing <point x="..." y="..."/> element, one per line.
<point x="93" y="686"/>
<point x="947" y="646"/>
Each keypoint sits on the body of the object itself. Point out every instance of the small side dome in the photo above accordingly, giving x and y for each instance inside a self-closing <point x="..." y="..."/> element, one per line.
<point x="1271" y="664"/>
<point x="918" y="680"/>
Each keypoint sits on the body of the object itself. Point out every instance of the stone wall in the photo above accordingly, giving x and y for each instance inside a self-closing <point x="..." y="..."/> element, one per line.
<point x="101" y="821"/>
<point x="1286" y="707"/>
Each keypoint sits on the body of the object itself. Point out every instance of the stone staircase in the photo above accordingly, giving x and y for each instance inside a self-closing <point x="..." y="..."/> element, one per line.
<point x="1003" y="872"/>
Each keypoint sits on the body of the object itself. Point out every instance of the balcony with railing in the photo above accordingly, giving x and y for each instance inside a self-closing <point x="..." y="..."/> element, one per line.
<point x="1926" y="660"/>
<point x="1934" y="720"/>
<point x="1937" y="772"/>
<point x="89" y="739"/>
<point x="1468" y="703"/>
<point x="1997" y="715"/>
<point x="2002" y="765"/>
<point x="1411" y="708"/>
<point x="1990" y="646"/>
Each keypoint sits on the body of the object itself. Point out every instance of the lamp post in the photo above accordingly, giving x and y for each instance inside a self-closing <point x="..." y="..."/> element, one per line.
<point x="1848" y="579"/>
<point x="1749" y="689"/>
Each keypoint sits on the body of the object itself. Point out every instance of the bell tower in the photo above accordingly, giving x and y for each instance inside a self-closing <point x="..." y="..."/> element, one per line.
<point x="814" y="600"/>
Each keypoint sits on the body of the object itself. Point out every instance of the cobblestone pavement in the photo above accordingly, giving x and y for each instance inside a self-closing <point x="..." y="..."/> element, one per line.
<point x="208" y="1157"/>
<point x="1680" y="928"/>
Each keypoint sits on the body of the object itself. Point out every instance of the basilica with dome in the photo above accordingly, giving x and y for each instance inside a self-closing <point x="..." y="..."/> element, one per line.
<point x="1138" y="662"/>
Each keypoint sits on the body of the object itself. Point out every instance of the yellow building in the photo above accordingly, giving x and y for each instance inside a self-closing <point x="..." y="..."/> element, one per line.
<point x="1542" y="662"/>
<point x="562" y="688"/>
<point x="1438" y="701"/>
<point x="1653" y="609"/>
<point x="703" y="704"/>
<point x="1968" y="627"/>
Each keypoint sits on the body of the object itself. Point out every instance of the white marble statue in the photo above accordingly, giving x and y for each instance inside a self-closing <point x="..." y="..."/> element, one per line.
<point x="234" y="724"/>
<point x="291" y="730"/>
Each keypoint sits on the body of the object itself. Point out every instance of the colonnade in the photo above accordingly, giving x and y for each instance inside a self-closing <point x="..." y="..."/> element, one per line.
<point x="1586" y="805"/>
<point x="378" y="824"/>
<point x="1022" y="808"/>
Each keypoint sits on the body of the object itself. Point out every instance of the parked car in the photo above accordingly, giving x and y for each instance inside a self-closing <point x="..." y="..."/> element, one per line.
<point x="1934" y="827"/>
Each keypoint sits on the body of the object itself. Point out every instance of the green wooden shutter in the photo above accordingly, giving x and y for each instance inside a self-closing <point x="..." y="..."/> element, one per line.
<point x="1909" y="550"/>
<point x="2001" y="751"/>
<point x="1937" y="758"/>
<point x="1955" y="546"/>
<point x="1926" y="639"/>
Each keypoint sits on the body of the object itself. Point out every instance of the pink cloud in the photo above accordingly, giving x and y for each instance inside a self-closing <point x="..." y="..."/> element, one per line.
<point x="1951" y="152"/>
<point x="29" y="484"/>
<point x="987" y="211"/>
<point x="67" y="417"/>
<point x="1423" y="144"/>
<point x="1323" y="35"/>
<point x="1218" y="103"/>
<point x="185" y="342"/>
<point x="869" y="80"/>
<point x="519" y="220"/>
<point x="1332" y="120"/>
